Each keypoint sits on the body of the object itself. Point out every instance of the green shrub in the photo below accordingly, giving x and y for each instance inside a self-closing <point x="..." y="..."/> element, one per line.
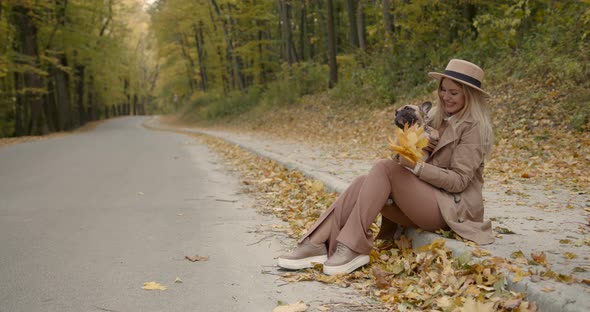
<point x="234" y="103"/>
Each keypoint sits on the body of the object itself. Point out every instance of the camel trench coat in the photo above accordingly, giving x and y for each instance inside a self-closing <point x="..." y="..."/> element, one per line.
<point x="455" y="168"/>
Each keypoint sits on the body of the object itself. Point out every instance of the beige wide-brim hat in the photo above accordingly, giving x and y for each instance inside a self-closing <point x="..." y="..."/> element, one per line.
<point x="463" y="72"/>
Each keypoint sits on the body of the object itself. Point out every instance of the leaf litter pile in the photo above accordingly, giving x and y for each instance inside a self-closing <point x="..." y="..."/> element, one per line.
<point x="402" y="278"/>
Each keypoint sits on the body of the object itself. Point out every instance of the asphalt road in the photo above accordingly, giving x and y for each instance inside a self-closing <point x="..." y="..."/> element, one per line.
<point x="87" y="218"/>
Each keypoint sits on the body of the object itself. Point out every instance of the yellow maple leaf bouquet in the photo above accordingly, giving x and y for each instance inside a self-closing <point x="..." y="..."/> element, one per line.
<point x="409" y="142"/>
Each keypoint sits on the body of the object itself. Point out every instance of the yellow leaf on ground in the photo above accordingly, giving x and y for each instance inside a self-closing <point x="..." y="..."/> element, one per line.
<point x="519" y="275"/>
<point x="316" y="185"/>
<point x="478" y="252"/>
<point x="539" y="258"/>
<point x="519" y="257"/>
<point x="476" y="306"/>
<point x="444" y="302"/>
<point x="513" y="303"/>
<point x="153" y="286"/>
<point x="570" y="255"/>
<point x="294" y="307"/>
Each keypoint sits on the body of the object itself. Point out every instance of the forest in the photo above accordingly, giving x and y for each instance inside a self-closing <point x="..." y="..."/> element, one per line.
<point x="66" y="62"/>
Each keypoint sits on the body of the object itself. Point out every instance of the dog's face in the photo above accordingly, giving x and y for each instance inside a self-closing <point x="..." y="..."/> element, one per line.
<point x="412" y="114"/>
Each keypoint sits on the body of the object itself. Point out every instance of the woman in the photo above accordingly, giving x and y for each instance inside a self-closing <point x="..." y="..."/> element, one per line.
<point x="444" y="191"/>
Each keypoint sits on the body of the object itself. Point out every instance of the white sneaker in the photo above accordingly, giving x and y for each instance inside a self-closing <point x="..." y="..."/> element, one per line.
<point x="344" y="260"/>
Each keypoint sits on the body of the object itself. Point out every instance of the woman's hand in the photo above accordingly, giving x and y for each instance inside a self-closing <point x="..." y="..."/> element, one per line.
<point x="433" y="138"/>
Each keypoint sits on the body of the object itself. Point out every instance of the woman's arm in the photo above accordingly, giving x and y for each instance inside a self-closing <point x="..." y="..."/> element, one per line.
<point x="467" y="157"/>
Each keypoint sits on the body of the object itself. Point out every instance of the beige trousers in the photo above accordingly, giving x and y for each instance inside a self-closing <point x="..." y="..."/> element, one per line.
<point x="348" y="219"/>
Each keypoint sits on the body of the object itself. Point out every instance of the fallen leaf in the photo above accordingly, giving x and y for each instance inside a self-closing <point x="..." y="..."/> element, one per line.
<point x="444" y="302"/>
<point x="331" y="279"/>
<point x="519" y="275"/>
<point x="294" y="307"/>
<point x="404" y="242"/>
<point x="569" y="255"/>
<point x="579" y="270"/>
<point x="380" y="278"/>
<point x="539" y="258"/>
<point x="153" y="286"/>
<point x="316" y="185"/>
<point x="512" y="304"/>
<point x="476" y="306"/>
<point x="547" y="289"/>
<point x="478" y="252"/>
<point x="503" y="230"/>
<point x="197" y="258"/>
<point x="140" y="193"/>
<point x="178" y="280"/>
<point x="464" y="258"/>
<point x="519" y="257"/>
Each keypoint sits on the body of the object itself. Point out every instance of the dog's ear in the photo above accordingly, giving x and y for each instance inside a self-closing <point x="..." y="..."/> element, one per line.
<point x="425" y="107"/>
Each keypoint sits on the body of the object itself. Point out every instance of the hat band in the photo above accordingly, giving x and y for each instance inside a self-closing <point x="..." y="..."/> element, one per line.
<point x="463" y="77"/>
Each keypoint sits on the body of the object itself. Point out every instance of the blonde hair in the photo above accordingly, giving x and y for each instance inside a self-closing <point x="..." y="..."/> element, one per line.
<point x="475" y="107"/>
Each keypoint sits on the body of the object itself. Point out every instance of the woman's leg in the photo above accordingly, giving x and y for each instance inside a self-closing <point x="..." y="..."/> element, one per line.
<point x="415" y="201"/>
<point x="415" y="198"/>
<point x="328" y="225"/>
<point x="372" y="197"/>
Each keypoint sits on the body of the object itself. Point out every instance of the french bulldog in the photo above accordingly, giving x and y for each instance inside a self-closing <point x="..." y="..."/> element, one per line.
<point x="412" y="114"/>
<point x="417" y="114"/>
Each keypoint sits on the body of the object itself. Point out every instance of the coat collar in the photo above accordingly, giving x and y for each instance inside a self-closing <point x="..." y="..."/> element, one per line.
<point x="449" y="136"/>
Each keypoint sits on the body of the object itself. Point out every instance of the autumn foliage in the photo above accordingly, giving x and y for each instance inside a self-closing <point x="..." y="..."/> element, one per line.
<point x="409" y="142"/>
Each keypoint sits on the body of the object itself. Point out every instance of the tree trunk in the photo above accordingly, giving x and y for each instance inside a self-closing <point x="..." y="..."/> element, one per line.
<point x="303" y="31"/>
<point x="312" y="31"/>
<point x="262" y="76"/>
<point x="26" y="44"/>
<point x="361" y="27"/>
<point x="127" y="95"/>
<point x="387" y="22"/>
<point x="351" y="8"/>
<point x="236" y="72"/>
<point x="331" y="46"/>
<point x="222" y="72"/>
<point x="19" y="129"/>
<point x="50" y="107"/>
<point x="92" y="109"/>
<point x="62" y="95"/>
<point x="190" y="63"/>
<point x="82" y="115"/>
<point x="285" y="14"/>
<point x="469" y="12"/>
<point x="200" y="43"/>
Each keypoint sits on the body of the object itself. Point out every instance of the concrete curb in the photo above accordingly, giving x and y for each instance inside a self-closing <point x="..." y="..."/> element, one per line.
<point x="564" y="299"/>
